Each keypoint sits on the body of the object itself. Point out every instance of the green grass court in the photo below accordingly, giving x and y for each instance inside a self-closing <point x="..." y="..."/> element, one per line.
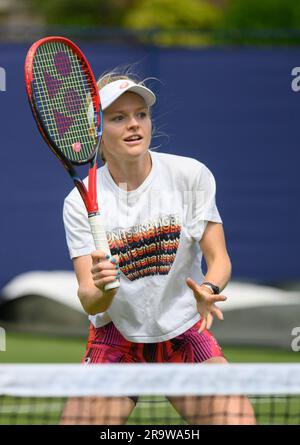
<point x="33" y="348"/>
<point x="149" y="411"/>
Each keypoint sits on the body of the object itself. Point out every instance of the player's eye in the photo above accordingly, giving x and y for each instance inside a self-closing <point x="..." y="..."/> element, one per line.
<point x="142" y="115"/>
<point x="117" y="118"/>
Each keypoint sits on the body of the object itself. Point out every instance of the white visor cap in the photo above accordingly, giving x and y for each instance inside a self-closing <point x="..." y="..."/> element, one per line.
<point x="112" y="91"/>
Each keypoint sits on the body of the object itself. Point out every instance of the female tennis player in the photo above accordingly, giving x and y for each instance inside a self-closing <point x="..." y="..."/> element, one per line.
<point x="161" y="217"/>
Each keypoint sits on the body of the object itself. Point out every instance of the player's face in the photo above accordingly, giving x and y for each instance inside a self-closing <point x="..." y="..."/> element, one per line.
<point x="127" y="128"/>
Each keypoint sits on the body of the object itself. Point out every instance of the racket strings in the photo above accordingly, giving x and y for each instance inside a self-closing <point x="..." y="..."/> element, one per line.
<point x="64" y="90"/>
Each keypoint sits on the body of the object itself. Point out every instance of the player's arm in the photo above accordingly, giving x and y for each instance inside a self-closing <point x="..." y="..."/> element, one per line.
<point x="214" y="249"/>
<point x="218" y="263"/>
<point x="92" y="275"/>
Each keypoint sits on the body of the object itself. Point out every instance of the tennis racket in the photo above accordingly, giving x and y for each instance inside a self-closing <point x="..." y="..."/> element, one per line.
<point x="65" y="103"/>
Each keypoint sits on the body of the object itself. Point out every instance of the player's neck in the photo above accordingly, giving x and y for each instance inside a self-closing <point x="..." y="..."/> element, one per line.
<point x="130" y="174"/>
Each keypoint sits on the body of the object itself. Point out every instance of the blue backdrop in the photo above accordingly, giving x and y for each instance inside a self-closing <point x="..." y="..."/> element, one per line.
<point x="232" y="109"/>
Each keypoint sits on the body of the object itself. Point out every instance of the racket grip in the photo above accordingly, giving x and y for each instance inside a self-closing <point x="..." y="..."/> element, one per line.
<point x="101" y="243"/>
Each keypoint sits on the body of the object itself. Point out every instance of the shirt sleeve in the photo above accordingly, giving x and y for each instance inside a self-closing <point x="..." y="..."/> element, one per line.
<point x="202" y="204"/>
<point x="77" y="229"/>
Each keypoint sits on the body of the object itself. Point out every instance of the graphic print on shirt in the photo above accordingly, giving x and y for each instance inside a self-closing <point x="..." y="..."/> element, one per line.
<point x="146" y="249"/>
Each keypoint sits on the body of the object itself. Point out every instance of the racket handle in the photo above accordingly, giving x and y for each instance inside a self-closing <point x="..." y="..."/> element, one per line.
<point x="101" y="243"/>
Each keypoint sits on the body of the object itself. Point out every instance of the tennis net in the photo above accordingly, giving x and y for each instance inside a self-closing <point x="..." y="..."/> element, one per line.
<point x="149" y="394"/>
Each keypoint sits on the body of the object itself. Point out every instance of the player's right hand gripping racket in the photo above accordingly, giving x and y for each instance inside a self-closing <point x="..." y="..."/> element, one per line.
<point x="65" y="102"/>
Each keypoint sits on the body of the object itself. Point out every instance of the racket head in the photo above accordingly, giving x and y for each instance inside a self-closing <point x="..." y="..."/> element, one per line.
<point x="64" y="99"/>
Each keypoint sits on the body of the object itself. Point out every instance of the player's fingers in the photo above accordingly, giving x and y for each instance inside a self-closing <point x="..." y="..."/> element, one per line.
<point x="210" y="320"/>
<point x="193" y="285"/>
<point x="104" y="265"/>
<point x="106" y="273"/>
<point x="115" y="259"/>
<point x="218" y="312"/>
<point x="101" y="283"/>
<point x="107" y="263"/>
<point x="99" y="255"/>
<point x="216" y="298"/>
<point x="202" y="325"/>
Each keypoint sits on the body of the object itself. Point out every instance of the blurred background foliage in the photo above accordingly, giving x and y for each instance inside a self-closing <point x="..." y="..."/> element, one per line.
<point x="83" y="12"/>
<point x="165" y="22"/>
<point x="261" y="22"/>
<point x="183" y="22"/>
<point x="171" y="19"/>
<point x="138" y="14"/>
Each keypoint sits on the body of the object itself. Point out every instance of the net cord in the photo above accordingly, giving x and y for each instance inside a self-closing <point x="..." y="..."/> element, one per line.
<point x="66" y="380"/>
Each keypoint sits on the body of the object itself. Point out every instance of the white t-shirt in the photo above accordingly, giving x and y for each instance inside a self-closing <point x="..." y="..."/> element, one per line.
<point x="155" y="230"/>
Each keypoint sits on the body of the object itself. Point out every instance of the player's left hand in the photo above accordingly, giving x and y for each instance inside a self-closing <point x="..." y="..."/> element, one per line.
<point x="206" y="304"/>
